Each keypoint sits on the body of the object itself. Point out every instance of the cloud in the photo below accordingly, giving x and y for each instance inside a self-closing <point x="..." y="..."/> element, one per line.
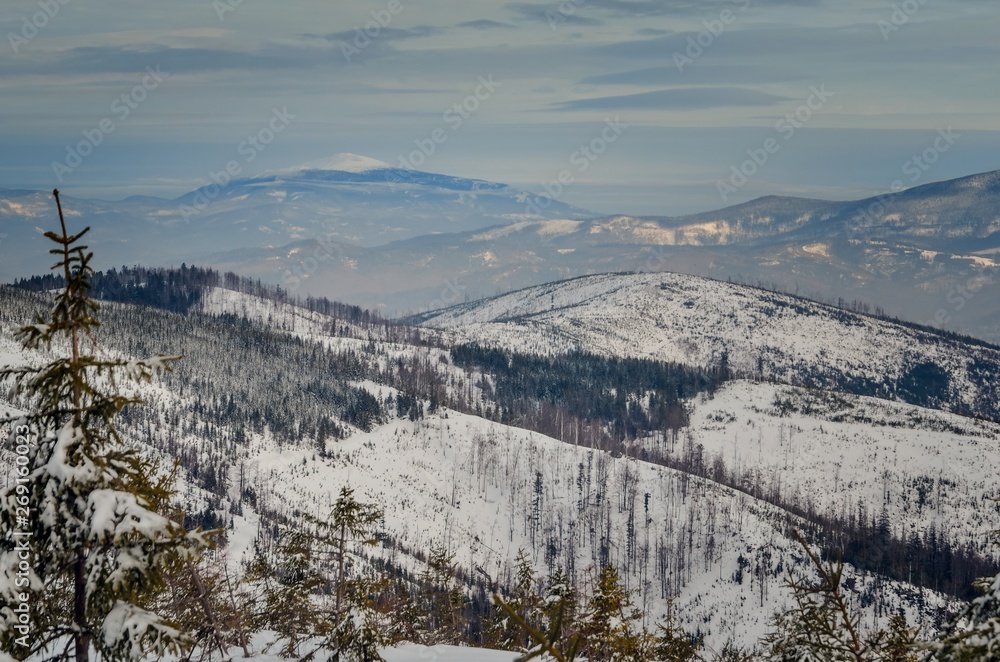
<point x="618" y="9"/>
<point x="172" y="60"/>
<point x="485" y="24"/>
<point x="385" y="34"/>
<point x="704" y="74"/>
<point x="812" y="46"/>
<point x="652" y="32"/>
<point x="555" y="14"/>
<point x="647" y="76"/>
<point x="678" y="98"/>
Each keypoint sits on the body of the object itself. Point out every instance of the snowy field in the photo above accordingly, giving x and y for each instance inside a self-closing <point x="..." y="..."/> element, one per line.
<point x="717" y="556"/>
<point x="471" y="485"/>
<point x="834" y="451"/>
<point x="694" y="321"/>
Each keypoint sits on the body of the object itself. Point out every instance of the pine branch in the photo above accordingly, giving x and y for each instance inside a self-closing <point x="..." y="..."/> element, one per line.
<point x="831" y="589"/>
<point x="545" y="644"/>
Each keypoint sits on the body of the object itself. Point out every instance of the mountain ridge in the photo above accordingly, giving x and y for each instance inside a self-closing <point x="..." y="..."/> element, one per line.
<point x="764" y="335"/>
<point x="403" y="237"/>
<point x="479" y="481"/>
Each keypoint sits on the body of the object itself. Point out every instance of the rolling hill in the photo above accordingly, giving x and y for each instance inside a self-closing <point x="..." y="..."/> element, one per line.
<point x="276" y="406"/>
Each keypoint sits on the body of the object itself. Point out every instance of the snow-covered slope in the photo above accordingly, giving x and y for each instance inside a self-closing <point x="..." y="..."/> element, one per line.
<point x="484" y="490"/>
<point x="343" y="162"/>
<point x="826" y="449"/>
<point x="472" y="486"/>
<point x="835" y="453"/>
<point x="697" y="321"/>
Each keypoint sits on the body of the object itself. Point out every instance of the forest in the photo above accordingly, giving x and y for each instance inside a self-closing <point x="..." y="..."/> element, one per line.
<point x="580" y="398"/>
<point x="312" y="580"/>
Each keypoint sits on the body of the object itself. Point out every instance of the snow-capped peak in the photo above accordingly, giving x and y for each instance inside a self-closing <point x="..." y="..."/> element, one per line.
<point x="344" y="162"/>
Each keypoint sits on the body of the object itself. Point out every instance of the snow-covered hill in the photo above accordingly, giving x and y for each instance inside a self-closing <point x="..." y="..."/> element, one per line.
<point x="484" y="490"/>
<point x="836" y="454"/>
<point x="687" y="538"/>
<point x="761" y="334"/>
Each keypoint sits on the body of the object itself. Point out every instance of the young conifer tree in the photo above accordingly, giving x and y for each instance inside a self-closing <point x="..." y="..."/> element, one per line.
<point x="80" y="533"/>
<point x="974" y="633"/>
<point x="610" y="625"/>
<point x="312" y="601"/>
<point x="822" y="625"/>
<point x="358" y="629"/>
<point x="557" y="638"/>
<point x="501" y="630"/>
<point x="442" y="600"/>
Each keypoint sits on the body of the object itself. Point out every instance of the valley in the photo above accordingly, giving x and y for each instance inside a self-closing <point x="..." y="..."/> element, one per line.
<point x="694" y="503"/>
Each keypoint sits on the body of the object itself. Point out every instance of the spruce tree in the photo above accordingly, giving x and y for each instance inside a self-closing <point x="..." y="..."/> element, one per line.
<point x="557" y="638"/>
<point x="83" y="544"/>
<point x="974" y="633"/>
<point x="822" y="627"/>
<point x="358" y="627"/>
<point x="673" y="644"/>
<point x="313" y="601"/>
<point x="442" y="600"/>
<point x="501" y="630"/>
<point x="608" y="626"/>
<point x="289" y="579"/>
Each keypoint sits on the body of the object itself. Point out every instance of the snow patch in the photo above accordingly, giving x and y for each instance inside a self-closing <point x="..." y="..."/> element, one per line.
<point x="344" y="162"/>
<point x="817" y="249"/>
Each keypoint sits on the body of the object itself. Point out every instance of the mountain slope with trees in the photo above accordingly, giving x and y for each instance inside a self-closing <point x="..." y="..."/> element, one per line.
<point x="586" y="459"/>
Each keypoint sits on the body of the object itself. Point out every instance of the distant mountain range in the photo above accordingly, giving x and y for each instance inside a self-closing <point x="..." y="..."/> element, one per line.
<point x="929" y="254"/>
<point x="347" y="198"/>
<point x="405" y="241"/>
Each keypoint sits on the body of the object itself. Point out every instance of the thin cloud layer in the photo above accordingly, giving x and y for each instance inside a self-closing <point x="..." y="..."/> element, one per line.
<point x="378" y="78"/>
<point x="686" y="98"/>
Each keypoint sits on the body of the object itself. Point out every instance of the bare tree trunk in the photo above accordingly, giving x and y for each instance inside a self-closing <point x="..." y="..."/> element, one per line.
<point x="206" y="605"/>
<point x="81" y="636"/>
<point x="341" y="544"/>
<point x="240" y="631"/>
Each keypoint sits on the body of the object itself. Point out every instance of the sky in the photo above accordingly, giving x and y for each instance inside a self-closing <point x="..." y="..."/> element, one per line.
<point x="657" y="107"/>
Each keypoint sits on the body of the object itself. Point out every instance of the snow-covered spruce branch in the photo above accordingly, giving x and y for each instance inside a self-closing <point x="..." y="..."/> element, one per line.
<point x="85" y="548"/>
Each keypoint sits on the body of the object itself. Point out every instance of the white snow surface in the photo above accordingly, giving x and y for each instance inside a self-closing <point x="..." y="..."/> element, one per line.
<point x="467" y="484"/>
<point x="694" y="321"/>
<point x="834" y="451"/>
<point x="220" y="301"/>
<point x="417" y="653"/>
<point x="343" y="161"/>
